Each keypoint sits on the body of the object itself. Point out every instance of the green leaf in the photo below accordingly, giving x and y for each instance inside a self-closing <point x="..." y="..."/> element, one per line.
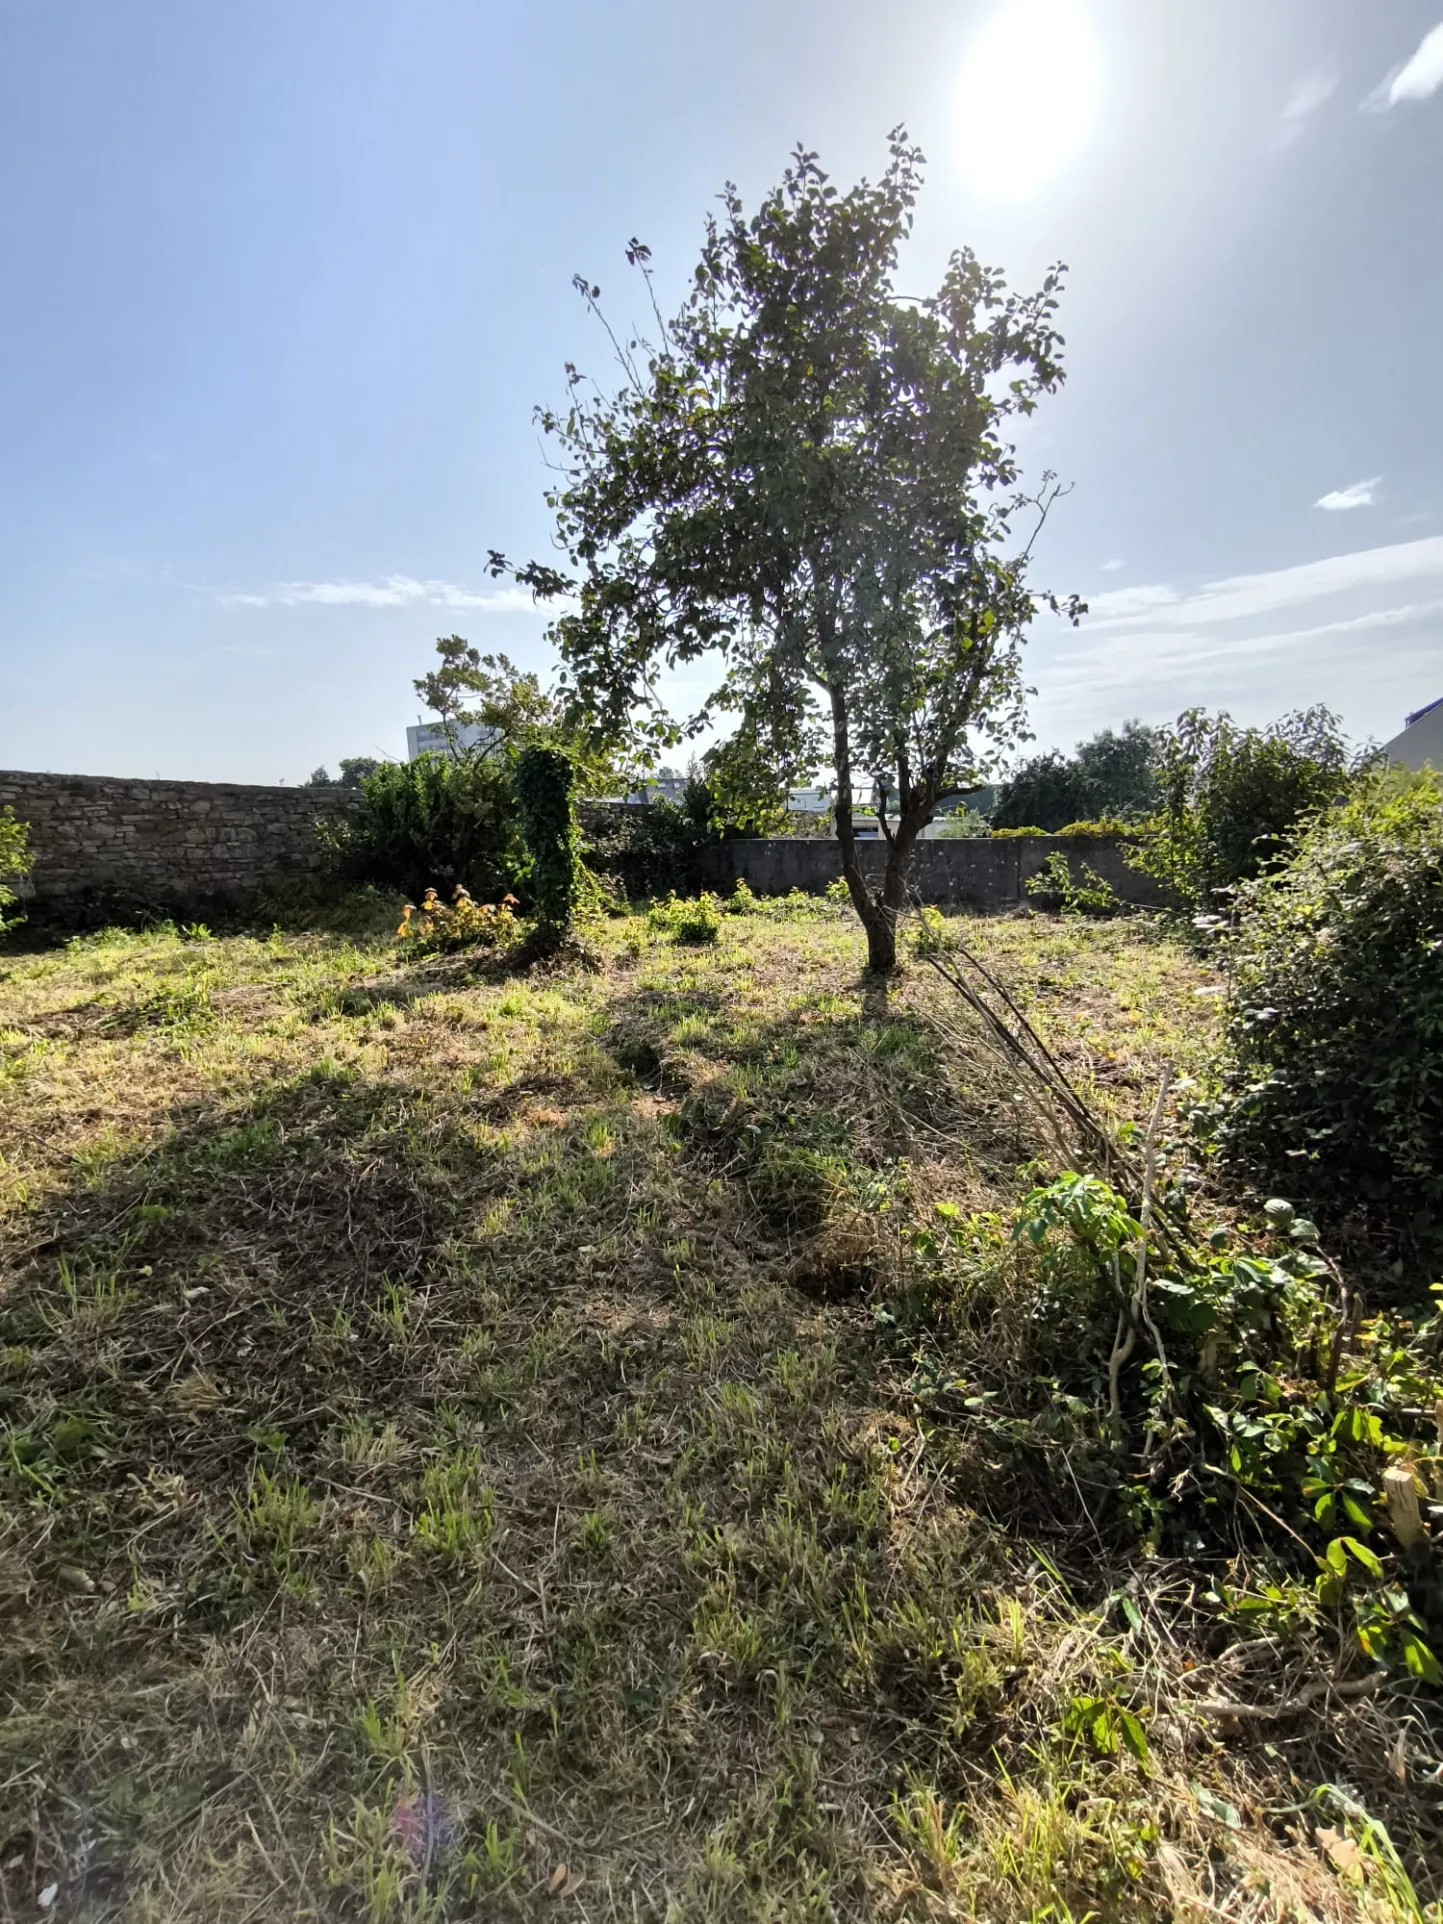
<point x="1361" y="1552"/>
<point x="1337" y="1557"/>
<point x="1419" y="1659"/>
<point x="1133" y="1735"/>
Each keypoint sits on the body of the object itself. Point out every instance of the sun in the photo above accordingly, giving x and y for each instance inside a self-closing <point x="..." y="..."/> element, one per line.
<point x="1027" y="97"/>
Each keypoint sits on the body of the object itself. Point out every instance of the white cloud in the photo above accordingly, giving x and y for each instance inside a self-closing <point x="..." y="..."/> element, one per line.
<point x="1242" y="596"/>
<point x="1417" y="79"/>
<point x="1314" y="90"/>
<point x="1127" y="660"/>
<point x="1109" y="567"/>
<point x="392" y="591"/>
<point x="1362" y="494"/>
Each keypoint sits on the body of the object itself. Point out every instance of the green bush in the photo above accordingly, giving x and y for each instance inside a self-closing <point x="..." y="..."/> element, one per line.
<point x="15" y="856"/>
<point x="1230" y="797"/>
<point x="544" y="782"/>
<point x="1054" y="888"/>
<point x="1333" y="1078"/>
<point x="1109" y="826"/>
<point x="434" y="822"/>
<point x="694" y="924"/>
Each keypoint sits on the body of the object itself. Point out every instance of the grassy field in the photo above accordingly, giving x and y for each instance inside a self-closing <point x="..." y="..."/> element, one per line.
<point x="453" y="1465"/>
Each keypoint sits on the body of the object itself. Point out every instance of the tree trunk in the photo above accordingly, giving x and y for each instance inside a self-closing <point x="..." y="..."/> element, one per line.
<point x="881" y="928"/>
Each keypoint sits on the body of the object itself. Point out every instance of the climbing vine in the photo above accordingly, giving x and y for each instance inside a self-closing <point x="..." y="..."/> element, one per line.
<point x="545" y="782"/>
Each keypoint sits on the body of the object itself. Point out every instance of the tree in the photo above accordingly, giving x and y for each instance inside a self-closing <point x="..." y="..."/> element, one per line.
<point x="1045" y="791"/>
<point x="354" y="770"/>
<point x="805" y="476"/>
<point x="1120" y="770"/>
<point x="511" y="708"/>
<point x="1110" y="775"/>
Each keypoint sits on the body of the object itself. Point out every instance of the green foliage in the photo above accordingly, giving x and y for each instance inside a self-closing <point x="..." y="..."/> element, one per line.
<point x="807" y="477"/>
<point x="1044" y="792"/>
<point x="433" y="823"/>
<point x="354" y="770"/>
<point x="1333" y="1078"/>
<point x="1231" y="796"/>
<point x="544" y="782"/>
<point x="1111" y="775"/>
<point x="1054" y="888"/>
<point x="965" y="824"/>
<point x="1199" y="1385"/>
<point x="440" y="928"/>
<point x="1112" y="826"/>
<point x="15" y="856"/>
<point x="694" y="923"/>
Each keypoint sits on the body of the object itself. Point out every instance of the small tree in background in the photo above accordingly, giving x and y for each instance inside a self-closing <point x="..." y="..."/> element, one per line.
<point x="354" y="770"/>
<point x="15" y="857"/>
<point x="1113" y="775"/>
<point x="805" y="476"/>
<point x="1230" y="796"/>
<point x="1043" y="792"/>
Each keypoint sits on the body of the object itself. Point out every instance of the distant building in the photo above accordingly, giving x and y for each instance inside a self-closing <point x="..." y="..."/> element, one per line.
<point x="430" y="738"/>
<point x="1421" y="742"/>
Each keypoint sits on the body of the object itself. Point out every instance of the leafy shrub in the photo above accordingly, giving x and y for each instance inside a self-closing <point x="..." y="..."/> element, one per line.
<point x="1107" y="825"/>
<point x="433" y="823"/>
<point x="439" y="928"/>
<point x="694" y="922"/>
<point x="786" y="908"/>
<point x="963" y="825"/>
<point x="1190" y="1388"/>
<point x="1003" y="834"/>
<point x="15" y="856"/>
<point x="544" y="782"/>
<point x="645" y="851"/>
<point x="1230" y="797"/>
<point x="1053" y="888"/>
<point x="1333" y="1079"/>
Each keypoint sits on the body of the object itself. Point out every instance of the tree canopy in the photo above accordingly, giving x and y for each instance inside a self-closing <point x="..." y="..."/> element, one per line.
<point x="1114" y="774"/>
<point x="805" y="475"/>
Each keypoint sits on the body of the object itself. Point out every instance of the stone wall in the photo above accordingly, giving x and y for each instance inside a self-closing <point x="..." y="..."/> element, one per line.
<point x="100" y="839"/>
<point x="979" y="873"/>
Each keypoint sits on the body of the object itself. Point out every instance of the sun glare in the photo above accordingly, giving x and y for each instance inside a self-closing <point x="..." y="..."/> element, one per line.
<point x="1027" y="98"/>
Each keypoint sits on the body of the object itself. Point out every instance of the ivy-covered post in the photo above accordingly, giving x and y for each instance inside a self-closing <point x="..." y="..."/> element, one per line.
<point x="545" y="782"/>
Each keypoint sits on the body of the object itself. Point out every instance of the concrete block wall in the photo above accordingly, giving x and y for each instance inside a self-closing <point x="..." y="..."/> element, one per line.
<point x="979" y="873"/>
<point x="176" y="843"/>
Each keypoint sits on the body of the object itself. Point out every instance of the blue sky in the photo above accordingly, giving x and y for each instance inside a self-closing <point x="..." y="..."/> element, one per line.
<point x="284" y="281"/>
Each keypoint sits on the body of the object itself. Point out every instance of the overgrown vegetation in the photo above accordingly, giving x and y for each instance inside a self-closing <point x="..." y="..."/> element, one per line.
<point x="640" y="1444"/>
<point x="544" y="784"/>
<point x="1229" y="796"/>
<point x="438" y="822"/>
<point x="1333" y="1076"/>
<point x="15" y="857"/>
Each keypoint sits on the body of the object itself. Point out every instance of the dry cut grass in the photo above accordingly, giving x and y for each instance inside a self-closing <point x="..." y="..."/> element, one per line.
<point x="450" y="1467"/>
